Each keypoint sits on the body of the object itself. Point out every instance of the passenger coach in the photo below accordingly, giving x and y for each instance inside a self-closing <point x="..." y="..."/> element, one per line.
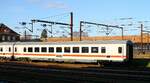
<point x="81" y="51"/>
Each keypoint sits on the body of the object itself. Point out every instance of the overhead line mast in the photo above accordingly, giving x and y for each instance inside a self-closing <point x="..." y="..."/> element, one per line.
<point x="58" y="23"/>
<point x="92" y="23"/>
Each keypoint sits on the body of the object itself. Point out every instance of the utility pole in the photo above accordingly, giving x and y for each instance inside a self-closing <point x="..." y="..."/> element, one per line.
<point x="84" y="22"/>
<point x="122" y="33"/>
<point x="25" y="35"/>
<point x="147" y="38"/>
<point x="25" y="23"/>
<point x="51" y="31"/>
<point x="147" y="41"/>
<point x="58" y="23"/>
<point x="142" y="38"/>
<point x="71" y="25"/>
<point x="81" y="30"/>
<point x="24" y="26"/>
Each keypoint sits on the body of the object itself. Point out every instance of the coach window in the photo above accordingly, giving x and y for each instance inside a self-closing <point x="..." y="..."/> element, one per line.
<point x="30" y="49"/>
<point x="51" y="49"/>
<point x="94" y="49"/>
<point x="36" y="49"/>
<point x="58" y="49"/>
<point x="43" y="49"/>
<point x="9" y="49"/>
<point x="103" y="49"/>
<point x="75" y="49"/>
<point x="15" y="49"/>
<point x="85" y="49"/>
<point x="24" y="49"/>
<point x="1" y="49"/>
<point x="119" y="49"/>
<point x="67" y="49"/>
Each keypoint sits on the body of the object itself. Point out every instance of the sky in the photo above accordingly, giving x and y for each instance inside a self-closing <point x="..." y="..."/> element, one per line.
<point x="99" y="11"/>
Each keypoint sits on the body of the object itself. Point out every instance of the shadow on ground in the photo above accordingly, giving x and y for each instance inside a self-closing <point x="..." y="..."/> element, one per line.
<point x="137" y="64"/>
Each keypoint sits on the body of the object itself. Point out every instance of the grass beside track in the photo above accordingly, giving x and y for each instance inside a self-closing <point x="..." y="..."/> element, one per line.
<point x="23" y="75"/>
<point x="28" y="76"/>
<point x="141" y="63"/>
<point x="50" y="64"/>
<point x="138" y="63"/>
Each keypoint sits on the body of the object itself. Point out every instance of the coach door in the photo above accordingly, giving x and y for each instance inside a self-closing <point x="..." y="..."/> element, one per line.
<point x="13" y="50"/>
<point x="130" y="51"/>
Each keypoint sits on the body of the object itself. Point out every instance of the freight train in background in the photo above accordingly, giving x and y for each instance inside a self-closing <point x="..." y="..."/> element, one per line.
<point x="77" y="51"/>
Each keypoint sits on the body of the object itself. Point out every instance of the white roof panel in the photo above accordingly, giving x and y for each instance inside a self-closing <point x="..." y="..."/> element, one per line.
<point x="69" y="42"/>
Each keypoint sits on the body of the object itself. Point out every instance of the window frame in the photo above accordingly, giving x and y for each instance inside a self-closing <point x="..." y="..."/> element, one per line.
<point x="36" y="49"/>
<point x="16" y="49"/>
<point x="73" y="48"/>
<point x="1" y="49"/>
<point x="44" y="49"/>
<point x="103" y="49"/>
<point x="85" y="49"/>
<point x="120" y="50"/>
<point x="9" y="49"/>
<point x="66" y="50"/>
<point x="24" y="49"/>
<point x="30" y="48"/>
<point x="51" y="48"/>
<point x="58" y="51"/>
<point x="97" y="50"/>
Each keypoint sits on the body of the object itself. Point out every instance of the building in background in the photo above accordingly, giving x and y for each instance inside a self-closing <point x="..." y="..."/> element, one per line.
<point x="7" y="34"/>
<point x="77" y="34"/>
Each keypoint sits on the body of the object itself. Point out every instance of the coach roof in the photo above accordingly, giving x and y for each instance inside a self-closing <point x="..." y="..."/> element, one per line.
<point x="69" y="42"/>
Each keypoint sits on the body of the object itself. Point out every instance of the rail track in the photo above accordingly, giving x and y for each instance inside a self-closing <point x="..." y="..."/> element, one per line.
<point x="28" y="74"/>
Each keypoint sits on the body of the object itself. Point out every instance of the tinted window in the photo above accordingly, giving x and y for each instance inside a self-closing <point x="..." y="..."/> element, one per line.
<point x="9" y="49"/>
<point x="75" y="49"/>
<point x="85" y="49"/>
<point x="103" y="50"/>
<point x="43" y="49"/>
<point x="51" y="49"/>
<point x="119" y="49"/>
<point x="67" y="49"/>
<point x="36" y="49"/>
<point x="15" y="49"/>
<point x="24" y="49"/>
<point x="1" y="49"/>
<point x="30" y="49"/>
<point x="94" y="49"/>
<point x="58" y="49"/>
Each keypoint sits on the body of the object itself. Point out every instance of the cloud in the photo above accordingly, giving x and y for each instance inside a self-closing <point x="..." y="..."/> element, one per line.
<point x="33" y="1"/>
<point x="57" y="5"/>
<point x="49" y="4"/>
